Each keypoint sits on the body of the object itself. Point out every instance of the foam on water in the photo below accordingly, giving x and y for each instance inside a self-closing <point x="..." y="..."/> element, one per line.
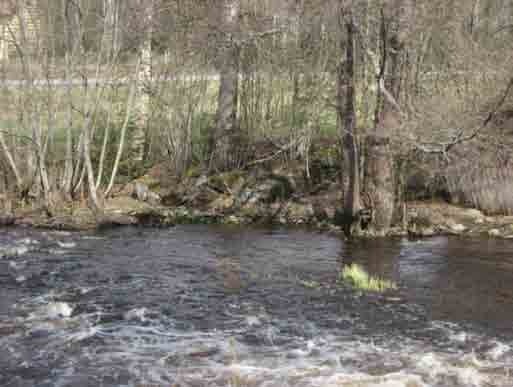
<point x="149" y="349"/>
<point x="66" y="245"/>
<point x="87" y="321"/>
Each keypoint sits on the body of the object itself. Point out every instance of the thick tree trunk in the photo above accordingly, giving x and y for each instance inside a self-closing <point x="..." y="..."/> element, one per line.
<point x="380" y="179"/>
<point x="379" y="183"/>
<point x="224" y="138"/>
<point x="347" y="127"/>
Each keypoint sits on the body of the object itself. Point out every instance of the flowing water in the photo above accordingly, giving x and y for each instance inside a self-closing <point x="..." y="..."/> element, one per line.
<point x="214" y="306"/>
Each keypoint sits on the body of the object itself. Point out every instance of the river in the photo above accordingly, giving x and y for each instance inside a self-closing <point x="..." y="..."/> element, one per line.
<point x="230" y="306"/>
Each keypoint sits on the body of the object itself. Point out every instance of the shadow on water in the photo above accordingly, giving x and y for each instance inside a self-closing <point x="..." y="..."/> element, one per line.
<point x="461" y="280"/>
<point x="230" y="306"/>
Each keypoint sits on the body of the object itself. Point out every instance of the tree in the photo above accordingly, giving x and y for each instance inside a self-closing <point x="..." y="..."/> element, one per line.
<point x="224" y="137"/>
<point x="347" y="123"/>
<point x="144" y="12"/>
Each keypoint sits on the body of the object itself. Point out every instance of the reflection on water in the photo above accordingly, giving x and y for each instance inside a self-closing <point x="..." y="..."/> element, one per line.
<point x="464" y="280"/>
<point x="211" y="306"/>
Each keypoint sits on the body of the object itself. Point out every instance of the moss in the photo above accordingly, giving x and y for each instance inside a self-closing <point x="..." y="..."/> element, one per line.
<point x="193" y="172"/>
<point x="358" y="278"/>
<point x="227" y="181"/>
<point x="152" y="183"/>
<point x="281" y="190"/>
<point x="310" y="284"/>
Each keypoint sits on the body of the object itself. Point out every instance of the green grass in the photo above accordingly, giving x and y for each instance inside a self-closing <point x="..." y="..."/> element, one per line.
<point x="358" y="278"/>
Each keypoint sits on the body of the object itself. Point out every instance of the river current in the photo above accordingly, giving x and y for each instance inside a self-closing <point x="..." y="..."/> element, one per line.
<point x="229" y="306"/>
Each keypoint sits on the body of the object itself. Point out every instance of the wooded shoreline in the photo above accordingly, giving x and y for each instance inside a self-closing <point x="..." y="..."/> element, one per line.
<point x="338" y="114"/>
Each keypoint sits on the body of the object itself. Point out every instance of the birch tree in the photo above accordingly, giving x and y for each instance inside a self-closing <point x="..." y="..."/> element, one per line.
<point x="145" y="13"/>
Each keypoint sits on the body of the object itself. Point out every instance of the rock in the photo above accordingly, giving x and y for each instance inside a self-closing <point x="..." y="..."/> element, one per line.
<point x="473" y="213"/>
<point x="299" y="213"/>
<point x="202" y="351"/>
<point x="228" y="182"/>
<point x="201" y="197"/>
<point x="7" y="330"/>
<point x="458" y="228"/>
<point x="494" y="232"/>
<point x="170" y="198"/>
<point x="201" y="181"/>
<point x="114" y="220"/>
<point x="14" y="251"/>
<point x="222" y="203"/>
<point x="154" y="198"/>
<point x="7" y="220"/>
<point x="422" y="232"/>
<point x="144" y="194"/>
<point x="273" y="189"/>
<point x="232" y="219"/>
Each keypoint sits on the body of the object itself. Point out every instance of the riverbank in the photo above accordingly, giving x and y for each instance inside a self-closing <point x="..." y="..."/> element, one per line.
<point x="280" y="196"/>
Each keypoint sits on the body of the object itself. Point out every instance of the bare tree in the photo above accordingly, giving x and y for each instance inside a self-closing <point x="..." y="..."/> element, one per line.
<point x="223" y="138"/>
<point x="347" y="123"/>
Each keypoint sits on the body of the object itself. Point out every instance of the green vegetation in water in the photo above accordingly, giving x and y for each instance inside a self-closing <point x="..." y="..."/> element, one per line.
<point x="358" y="278"/>
<point x="309" y="284"/>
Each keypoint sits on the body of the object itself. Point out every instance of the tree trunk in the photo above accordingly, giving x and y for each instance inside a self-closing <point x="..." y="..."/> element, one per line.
<point x="138" y="141"/>
<point x="67" y="178"/>
<point x="380" y="179"/>
<point x="111" y="14"/>
<point x="95" y="204"/>
<point x="379" y="183"/>
<point x="131" y="96"/>
<point x="223" y="140"/>
<point x="348" y="130"/>
<point x="12" y="163"/>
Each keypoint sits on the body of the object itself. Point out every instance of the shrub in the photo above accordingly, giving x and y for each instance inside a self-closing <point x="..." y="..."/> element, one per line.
<point x="358" y="278"/>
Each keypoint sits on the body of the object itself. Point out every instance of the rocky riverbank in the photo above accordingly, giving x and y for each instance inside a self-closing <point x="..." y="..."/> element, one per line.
<point x="280" y="196"/>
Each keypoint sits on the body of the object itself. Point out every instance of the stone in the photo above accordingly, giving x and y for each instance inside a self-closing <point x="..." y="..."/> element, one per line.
<point x="202" y="180"/>
<point x="228" y="182"/>
<point x="141" y="192"/>
<point x="7" y="330"/>
<point x="458" y="228"/>
<point x="153" y="198"/>
<point x="7" y="220"/>
<point x="232" y="219"/>
<point x="422" y="232"/>
<point x="300" y="213"/>
<point x="473" y="214"/>
<point x="222" y="203"/>
<point x="494" y="232"/>
<point x="202" y="351"/>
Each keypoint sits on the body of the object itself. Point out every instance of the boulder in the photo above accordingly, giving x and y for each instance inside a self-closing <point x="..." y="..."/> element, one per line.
<point x="458" y="228"/>
<point x="201" y="196"/>
<point x="299" y="213"/>
<point x="228" y="182"/>
<point x="222" y="203"/>
<point x="494" y="232"/>
<point x="144" y="194"/>
<point x="7" y="220"/>
<point x="422" y="231"/>
<point x="270" y="190"/>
